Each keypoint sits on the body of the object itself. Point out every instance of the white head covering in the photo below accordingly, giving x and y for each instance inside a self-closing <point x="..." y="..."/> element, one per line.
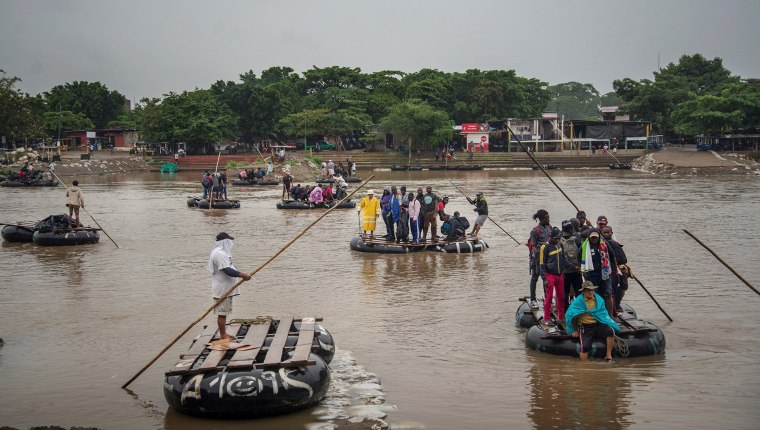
<point x="224" y="246"/>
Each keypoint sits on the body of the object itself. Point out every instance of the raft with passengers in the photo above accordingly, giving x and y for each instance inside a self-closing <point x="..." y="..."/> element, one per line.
<point x="55" y="230"/>
<point x="636" y="337"/>
<point x="593" y="321"/>
<point x="306" y="204"/>
<point x="272" y="367"/>
<point x="404" y="213"/>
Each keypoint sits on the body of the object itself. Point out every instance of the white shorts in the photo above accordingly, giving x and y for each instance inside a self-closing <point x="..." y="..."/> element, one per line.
<point x="481" y="219"/>
<point x="224" y="308"/>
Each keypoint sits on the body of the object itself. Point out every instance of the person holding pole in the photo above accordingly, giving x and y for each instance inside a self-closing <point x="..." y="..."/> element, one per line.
<point x="223" y="275"/>
<point x="74" y="202"/>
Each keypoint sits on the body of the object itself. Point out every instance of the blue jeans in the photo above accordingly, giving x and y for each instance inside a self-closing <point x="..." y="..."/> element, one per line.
<point x="413" y="226"/>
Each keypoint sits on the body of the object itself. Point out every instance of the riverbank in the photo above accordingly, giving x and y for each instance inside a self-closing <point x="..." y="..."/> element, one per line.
<point x="696" y="163"/>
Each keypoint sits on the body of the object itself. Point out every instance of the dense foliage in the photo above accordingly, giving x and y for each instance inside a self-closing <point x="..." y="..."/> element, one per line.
<point x="693" y="96"/>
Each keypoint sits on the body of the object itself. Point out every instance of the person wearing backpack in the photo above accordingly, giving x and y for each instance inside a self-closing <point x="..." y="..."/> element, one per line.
<point x="539" y="235"/>
<point x="206" y="183"/>
<point x="552" y="264"/>
<point x="571" y="243"/>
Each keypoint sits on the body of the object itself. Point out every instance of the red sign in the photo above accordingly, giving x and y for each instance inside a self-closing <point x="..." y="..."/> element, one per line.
<point x="470" y="127"/>
<point x="483" y="139"/>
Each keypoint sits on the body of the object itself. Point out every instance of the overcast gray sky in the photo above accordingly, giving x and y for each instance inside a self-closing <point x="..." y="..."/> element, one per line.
<point x="151" y="47"/>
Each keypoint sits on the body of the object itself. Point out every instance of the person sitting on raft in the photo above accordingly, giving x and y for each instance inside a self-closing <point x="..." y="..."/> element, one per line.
<point x="316" y="196"/>
<point x="454" y="227"/>
<point x="587" y="318"/>
<point x="327" y="194"/>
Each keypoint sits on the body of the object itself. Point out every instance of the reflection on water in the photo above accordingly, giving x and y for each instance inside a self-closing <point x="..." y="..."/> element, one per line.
<point x="437" y="329"/>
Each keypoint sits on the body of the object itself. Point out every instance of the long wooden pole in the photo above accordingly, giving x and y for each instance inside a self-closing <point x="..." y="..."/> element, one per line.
<point x="88" y="213"/>
<point x="651" y="296"/>
<point x="541" y="167"/>
<point x="489" y="217"/>
<point x="722" y="262"/>
<point x="216" y="173"/>
<point x="232" y="288"/>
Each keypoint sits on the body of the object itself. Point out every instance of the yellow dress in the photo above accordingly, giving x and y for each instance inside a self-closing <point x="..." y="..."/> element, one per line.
<point x="370" y="209"/>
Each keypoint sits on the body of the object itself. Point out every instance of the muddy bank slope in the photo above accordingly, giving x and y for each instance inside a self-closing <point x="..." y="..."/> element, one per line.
<point x="693" y="163"/>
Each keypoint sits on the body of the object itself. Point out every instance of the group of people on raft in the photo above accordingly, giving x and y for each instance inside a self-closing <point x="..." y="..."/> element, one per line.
<point x="215" y="185"/>
<point x="318" y="195"/>
<point x="28" y="174"/>
<point x="404" y="213"/>
<point x="256" y="174"/>
<point x="585" y="270"/>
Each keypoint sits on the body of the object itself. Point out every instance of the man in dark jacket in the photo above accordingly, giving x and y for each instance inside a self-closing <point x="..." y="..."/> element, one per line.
<point x="619" y="275"/>
<point x="481" y="207"/>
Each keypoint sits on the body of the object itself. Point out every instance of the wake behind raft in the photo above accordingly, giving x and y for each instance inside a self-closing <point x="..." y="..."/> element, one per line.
<point x="467" y="245"/>
<point x="637" y="338"/>
<point x="274" y="366"/>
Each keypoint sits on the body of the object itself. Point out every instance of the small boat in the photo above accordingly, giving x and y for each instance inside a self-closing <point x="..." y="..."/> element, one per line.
<point x="466" y="167"/>
<point x="40" y="183"/>
<point x="350" y="179"/>
<point x="465" y="246"/>
<point x="243" y="182"/>
<point x="201" y="202"/>
<point x="218" y="204"/>
<point x="299" y="204"/>
<point x="54" y="231"/>
<point x="274" y="366"/>
<point x="545" y="166"/>
<point x="405" y="168"/>
<point x="17" y="233"/>
<point x="382" y="245"/>
<point x="623" y="166"/>
<point x="636" y="339"/>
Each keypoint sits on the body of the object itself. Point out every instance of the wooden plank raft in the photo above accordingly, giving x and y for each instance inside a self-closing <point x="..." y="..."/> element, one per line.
<point x="203" y="358"/>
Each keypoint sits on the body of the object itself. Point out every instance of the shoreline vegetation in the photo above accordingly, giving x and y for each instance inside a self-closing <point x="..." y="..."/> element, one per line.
<point x="666" y="163"/>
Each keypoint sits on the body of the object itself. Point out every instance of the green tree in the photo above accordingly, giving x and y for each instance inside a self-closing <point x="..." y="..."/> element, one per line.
<point x="53" y="122"/>
<point x="419" y="124"/>
<point x="19" y="113"/>
<point x="736" y="108"/>
<point x="196" y="117"/>
<point x="92" y="99"/>
<point x="693" y="76"/>
<point x="574" y="100"/>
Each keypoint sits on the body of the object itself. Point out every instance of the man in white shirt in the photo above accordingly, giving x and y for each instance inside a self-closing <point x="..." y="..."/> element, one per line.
<point x="223" y="275"/>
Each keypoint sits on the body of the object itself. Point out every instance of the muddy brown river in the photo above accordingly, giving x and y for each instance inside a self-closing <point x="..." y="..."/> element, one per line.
<point x="424" y="340"/>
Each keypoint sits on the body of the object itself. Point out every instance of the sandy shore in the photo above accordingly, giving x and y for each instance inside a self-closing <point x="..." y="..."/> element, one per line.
<point x="697" y="163"/>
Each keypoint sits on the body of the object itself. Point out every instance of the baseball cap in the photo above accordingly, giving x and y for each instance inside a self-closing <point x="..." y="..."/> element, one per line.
<point x="555" y="233"/>
<point x="602" y="218"/>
